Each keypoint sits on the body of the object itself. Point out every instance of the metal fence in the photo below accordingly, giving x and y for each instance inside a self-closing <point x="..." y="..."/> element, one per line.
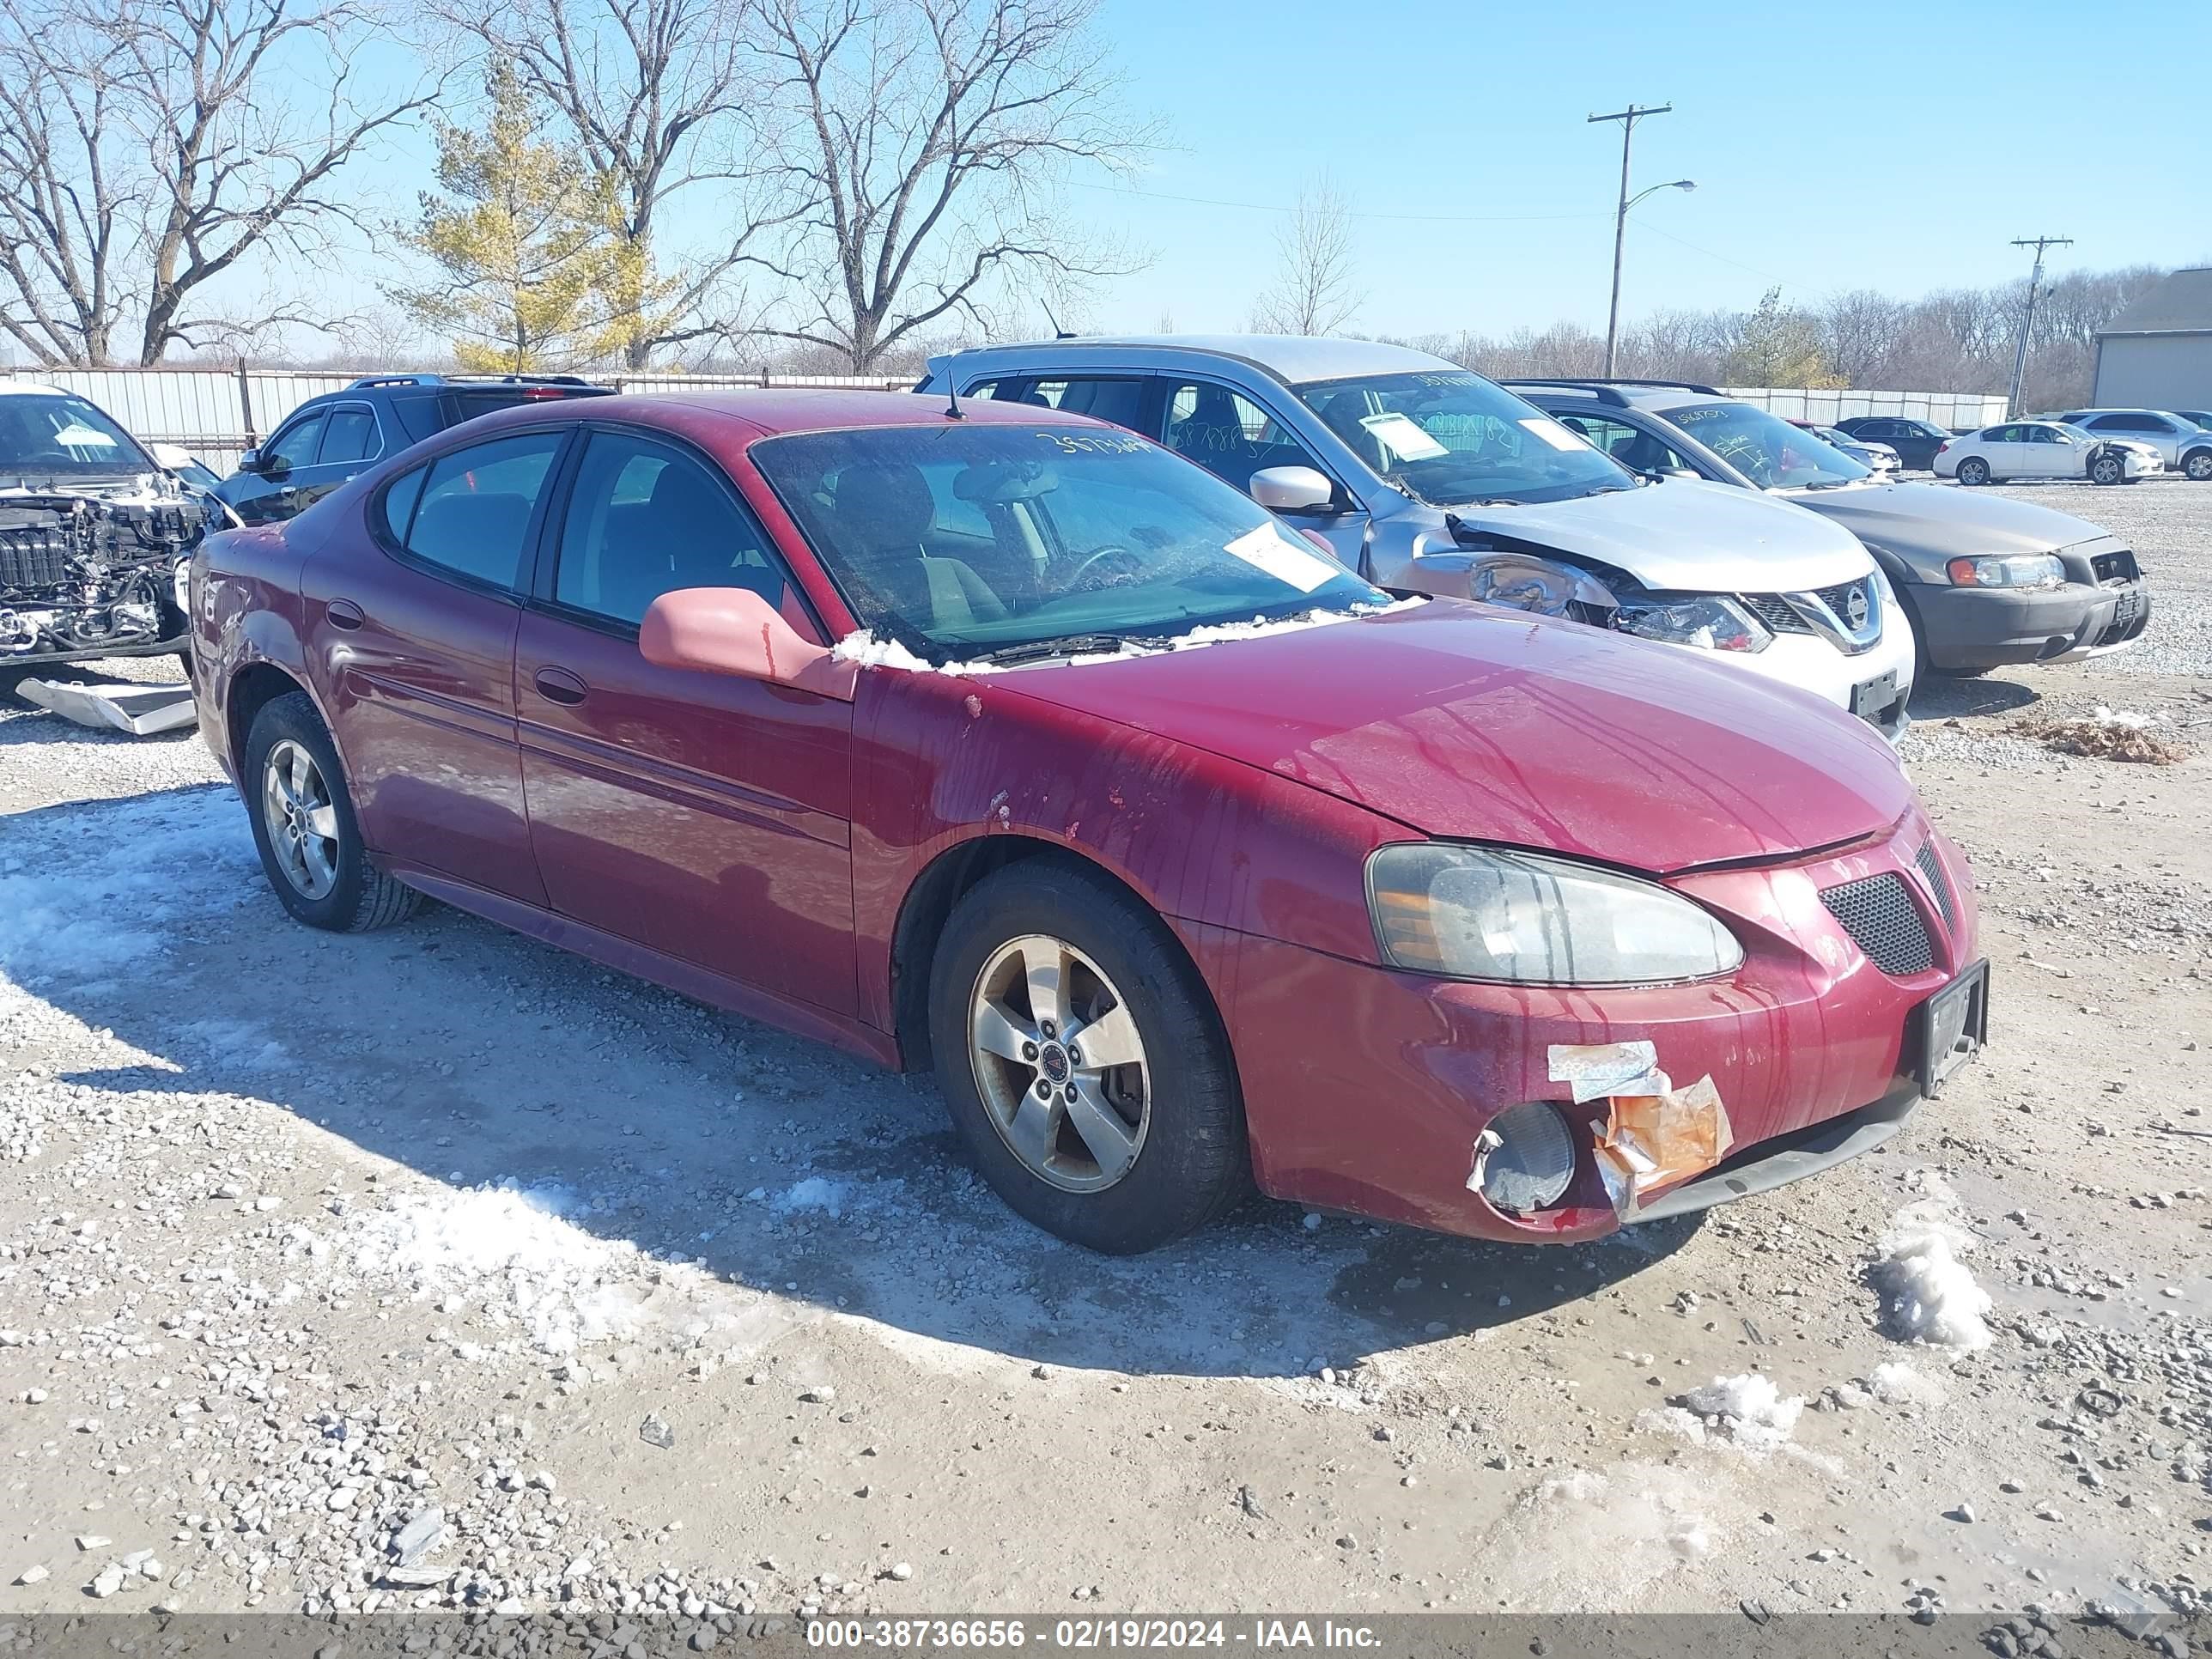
<point x="217" y="413"/>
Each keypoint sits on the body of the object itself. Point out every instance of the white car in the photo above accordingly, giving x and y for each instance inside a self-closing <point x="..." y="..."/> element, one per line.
<point x="2045" y="449"/>
<point x="2181" y="442"/>
<point x="1427" y="479"/>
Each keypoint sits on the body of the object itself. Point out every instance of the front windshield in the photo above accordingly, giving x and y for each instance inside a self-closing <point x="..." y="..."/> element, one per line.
<point x="1453" y="439"/>
<point x="45" y="434"/>
<point x="976" y="540"/>
<point x="1767" y="449"/>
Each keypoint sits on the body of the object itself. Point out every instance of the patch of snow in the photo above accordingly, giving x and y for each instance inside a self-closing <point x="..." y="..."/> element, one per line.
<point x="1592" y="1541"/>
<point x="1928" y="1295"/>
<point x="2123" y="720"/>
<point x="65" y="914"/>
<point x="815" y="1193"/>
<point x="1746" y="1411"/>
<point x="869" y="651"/>
<point x="1896" y="1383"/>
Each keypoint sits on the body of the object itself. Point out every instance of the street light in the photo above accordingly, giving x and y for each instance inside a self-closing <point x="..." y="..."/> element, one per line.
<point x="1619" y="235"/>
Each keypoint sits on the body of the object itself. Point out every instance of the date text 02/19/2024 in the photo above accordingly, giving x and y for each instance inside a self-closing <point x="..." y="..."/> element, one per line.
<point x="1079" y="1634"/>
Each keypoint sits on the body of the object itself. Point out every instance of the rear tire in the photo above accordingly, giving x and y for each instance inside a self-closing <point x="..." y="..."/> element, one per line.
<point x="2196" y="466"/>
<point x="1973" y="471"/>
<point x="1119" y="1154"/>
<point x="304" y="825"/>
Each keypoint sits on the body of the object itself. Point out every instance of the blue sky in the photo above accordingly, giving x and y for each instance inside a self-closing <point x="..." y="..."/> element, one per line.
<point x="1834" y="146"/>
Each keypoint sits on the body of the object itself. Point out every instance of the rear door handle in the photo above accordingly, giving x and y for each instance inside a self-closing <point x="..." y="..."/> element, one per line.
<point x="559" y="685"/>
<point x="345" y="613"/>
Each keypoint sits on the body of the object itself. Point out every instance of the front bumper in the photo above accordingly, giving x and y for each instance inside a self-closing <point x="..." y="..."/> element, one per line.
<point x="1977" y="628"/>
<point x="1810" y="663"/>
<point x="1366" y="1089"/>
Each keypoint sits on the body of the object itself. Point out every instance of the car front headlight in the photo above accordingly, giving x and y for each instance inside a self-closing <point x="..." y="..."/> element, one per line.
<point x="2013" y="570"/>
<point x="1712" y="624"/>
<point x="1492" y="913"/>
<point x="1521" y="581"/>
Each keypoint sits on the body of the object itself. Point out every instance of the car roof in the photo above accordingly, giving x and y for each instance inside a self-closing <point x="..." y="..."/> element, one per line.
<point x="1294" y="359"/>
<point x="1657" y="397"/>
<point x="34" y="389"/>
<point x="780" y="410"/>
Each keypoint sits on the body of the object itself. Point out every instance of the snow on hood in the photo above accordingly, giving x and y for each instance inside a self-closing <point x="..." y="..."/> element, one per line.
<point x="1947" y="523"/>
<point x="870" y="650"/>
<point x="1689" y="535"/>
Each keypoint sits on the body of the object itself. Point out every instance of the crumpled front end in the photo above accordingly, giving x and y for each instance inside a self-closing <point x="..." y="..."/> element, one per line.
<point x="93" y="573"/>
<point x="1383" y="1093"/>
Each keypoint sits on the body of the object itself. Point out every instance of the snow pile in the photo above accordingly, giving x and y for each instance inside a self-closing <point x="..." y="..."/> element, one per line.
<point x="85" y="905"/>
<point x="816" y="1193"/>
<point x="1594" y="1542"/>
<point x="2122" y="720"/>
<point x="513" y="1249"/>
<point x="1896" y="1383"/>
<point x="1927" y="1293"/>
<point x="869" y="651"/>
<point x="1745" y="1411"/>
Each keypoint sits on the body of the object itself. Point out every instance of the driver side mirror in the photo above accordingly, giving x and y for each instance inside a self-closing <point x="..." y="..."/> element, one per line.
<point x="1293" y="490"/>
<point x="249" y="461"/>
<point x="735" y="631"/>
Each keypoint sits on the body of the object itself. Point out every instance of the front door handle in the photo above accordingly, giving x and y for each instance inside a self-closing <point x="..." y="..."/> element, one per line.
<point x="559" y="685"/>
<point x="345" y="613"/>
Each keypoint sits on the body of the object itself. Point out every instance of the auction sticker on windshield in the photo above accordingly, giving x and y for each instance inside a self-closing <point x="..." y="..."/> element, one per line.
<point x="1553" y="434"/>
<point x="1403" y="436"/>
<point x="1267" y="549"/>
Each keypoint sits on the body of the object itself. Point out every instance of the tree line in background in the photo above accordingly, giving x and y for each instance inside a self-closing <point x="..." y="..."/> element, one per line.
<point x="878" y="176"/>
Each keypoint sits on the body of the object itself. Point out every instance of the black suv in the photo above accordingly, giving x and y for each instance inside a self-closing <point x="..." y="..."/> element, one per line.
<point x="327" y="440"/>
<point x="1916" y="441"/>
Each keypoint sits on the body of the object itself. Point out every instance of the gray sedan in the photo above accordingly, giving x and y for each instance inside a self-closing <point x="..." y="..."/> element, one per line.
<point x="1989" y="583"/>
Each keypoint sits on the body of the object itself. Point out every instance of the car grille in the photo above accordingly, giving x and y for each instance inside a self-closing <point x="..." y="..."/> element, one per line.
<point x="33" y="558"/>
<point x="1931" y="870"/>
<point x="1880" y="915"/>
<point x="2114" y="567"/>
<point x="1775" y="612"/>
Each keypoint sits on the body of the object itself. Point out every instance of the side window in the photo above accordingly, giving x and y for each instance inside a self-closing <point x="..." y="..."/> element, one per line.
<point x="476" y="505"/>
<point x="1228" y="436"/>
<point x="2001" y="435"/>
<point x="399" y="498"/>
<point x="2043" y="434"/>
<point x="294" y="447"/>
<point x="2110" y="423"/>
<point x="349" y="436"/>
<point x="1636" y="450"/>
<point x="1121" y="402"/>
<point x="644" y="519"/>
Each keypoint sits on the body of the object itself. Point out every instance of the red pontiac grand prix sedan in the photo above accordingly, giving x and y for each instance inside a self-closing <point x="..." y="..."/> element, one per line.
<point x="1004" y="741"/>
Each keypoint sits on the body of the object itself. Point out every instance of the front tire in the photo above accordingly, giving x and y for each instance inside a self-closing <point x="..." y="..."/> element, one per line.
<point x="2196" y="466"/>
<point x="1973" y="471"/>
<point x="304" y="825"/>
<point x="2108" y="469"/>
<point x="1083" y="1062"/>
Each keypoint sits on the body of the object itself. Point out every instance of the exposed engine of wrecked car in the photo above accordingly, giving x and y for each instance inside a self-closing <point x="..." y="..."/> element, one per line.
<point x="92" y="567"/>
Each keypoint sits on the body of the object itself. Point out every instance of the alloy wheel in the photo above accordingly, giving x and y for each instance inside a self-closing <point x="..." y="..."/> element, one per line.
<point x="2107" y="471"/>
<point x="2199" y="467"/>
<point x="1059" y="1063"/>
<point x="302" y="820"/>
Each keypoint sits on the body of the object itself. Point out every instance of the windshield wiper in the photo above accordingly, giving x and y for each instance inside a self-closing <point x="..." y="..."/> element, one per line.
<point x="1066" y="645"/>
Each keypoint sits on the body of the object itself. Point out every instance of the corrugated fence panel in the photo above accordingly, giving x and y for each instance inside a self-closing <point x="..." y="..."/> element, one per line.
<point x="1825" y="406"/>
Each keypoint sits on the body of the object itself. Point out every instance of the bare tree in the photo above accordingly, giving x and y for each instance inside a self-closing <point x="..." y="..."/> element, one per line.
<point x="64" y="230"/>
<point x="151" y="145"/>
<point x="1316" y="256"/>
<point x="660" y="98"/>
<point x="923" y="138"/>
<point x="1858" y="333"/>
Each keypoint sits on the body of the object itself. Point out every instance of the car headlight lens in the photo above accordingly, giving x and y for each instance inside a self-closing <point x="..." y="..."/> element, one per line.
<point x="1521" y="581"/>
<point x="1494" y="914"/>
<point x="1714" y="624"/>
<point x="2015" y="570"/>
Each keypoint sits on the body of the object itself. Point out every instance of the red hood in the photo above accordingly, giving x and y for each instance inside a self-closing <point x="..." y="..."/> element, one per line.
<point x="1467" y="722"/>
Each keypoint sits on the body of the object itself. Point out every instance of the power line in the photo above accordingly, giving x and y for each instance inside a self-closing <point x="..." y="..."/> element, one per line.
<point x="1400" y="218"/>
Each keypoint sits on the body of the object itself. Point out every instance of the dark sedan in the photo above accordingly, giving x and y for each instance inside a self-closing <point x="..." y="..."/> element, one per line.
<point x="1916" y="441"/>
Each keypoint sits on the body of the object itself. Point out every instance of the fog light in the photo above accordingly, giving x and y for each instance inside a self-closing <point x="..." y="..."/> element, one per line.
<point x="1533" y="1162"/>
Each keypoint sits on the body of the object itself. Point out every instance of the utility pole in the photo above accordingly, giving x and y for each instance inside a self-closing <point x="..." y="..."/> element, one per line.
<point x="1628" y="117"/>
<point x="2027" y="318"/>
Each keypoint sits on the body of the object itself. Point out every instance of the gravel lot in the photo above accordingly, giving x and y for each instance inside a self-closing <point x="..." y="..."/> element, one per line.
<point x="434" y="1267"/>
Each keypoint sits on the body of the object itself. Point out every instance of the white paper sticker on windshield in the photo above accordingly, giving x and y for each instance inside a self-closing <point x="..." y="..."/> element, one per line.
<point x="1553" y="434"/>
<point x="1402" y="435"/>
<point x="1267" y="549"/>
<point x="81" y="436"/>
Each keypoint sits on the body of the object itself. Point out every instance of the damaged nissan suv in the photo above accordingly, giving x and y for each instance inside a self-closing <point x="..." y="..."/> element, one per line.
<point x="96" y="536"/>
